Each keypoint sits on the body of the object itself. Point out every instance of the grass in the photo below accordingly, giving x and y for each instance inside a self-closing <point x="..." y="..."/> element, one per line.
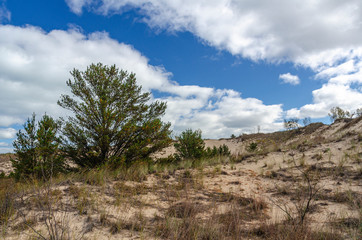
<point x="176" y="200"/>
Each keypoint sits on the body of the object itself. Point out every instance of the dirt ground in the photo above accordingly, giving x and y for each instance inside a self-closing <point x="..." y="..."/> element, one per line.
<point x="317" y="167"/>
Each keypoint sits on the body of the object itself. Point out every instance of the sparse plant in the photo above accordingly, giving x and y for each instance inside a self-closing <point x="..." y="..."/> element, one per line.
<point x="291" y="123"/>
<point x="7" y="201"/>
<point x="359" y="112"/>
<point x="306" y="121"/>
<point x="339" y="113"/>
<point x="304" y="197"/>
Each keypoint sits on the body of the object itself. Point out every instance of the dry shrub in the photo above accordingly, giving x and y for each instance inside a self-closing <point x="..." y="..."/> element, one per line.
<point x="186" y="229"/>
<point x="231" y="222"/>
<point x="288" y="231"/>
<point x="80" y="194"/>
<point x="7" y="201"/>
<point x="185" y="209"/>
<point x="136" y="172"/>
<point x="130" y="224"/>
<point x="125" y="190"/>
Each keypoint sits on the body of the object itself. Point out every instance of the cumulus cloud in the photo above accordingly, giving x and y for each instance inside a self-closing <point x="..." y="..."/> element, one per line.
<point x="7" y="133"/>
<point x="289" y="78"/>
<point x="223" y="113"/>
<point x="325" y="36"/>
<point x="33" y="77"/>
<point x="266" y="30"/>
<point x="330" y="95"/>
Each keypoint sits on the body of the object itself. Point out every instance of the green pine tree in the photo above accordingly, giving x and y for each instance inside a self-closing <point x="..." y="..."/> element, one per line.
<point x="112" y="120"/>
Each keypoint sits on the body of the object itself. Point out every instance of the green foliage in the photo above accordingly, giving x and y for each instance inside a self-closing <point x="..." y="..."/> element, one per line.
<point x="252" y="147"/>
<point x="222" y="150"/>
<point x="339" y="113"/>
<point x="190" y="145"/>
<point x="359" y="112"/>
<point x="112" y="121"/>
<point x="37" y="149"/>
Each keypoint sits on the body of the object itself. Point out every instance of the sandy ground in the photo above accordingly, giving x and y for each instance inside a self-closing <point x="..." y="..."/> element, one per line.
<point x="335" y="151"/>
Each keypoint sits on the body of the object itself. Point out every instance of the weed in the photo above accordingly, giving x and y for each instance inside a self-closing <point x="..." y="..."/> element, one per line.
<point x="82" y="202"/>
<point x="7" y="202"/>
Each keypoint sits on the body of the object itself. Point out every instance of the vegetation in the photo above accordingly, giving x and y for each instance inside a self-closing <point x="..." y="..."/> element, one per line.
<point x="190" y="145"/>
<point x="291" y="123"/>
<point x="222" y="150"/>
<point x="307" y="121"/>
<point x="37" y="149"/>
<point x="339" y="113"/>
<point x="112" y="121"/>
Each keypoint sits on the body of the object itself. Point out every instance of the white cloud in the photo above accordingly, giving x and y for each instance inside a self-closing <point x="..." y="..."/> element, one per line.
<point x="289" y="78"/>
<point x="225" y="114"/>
<point x="33" y="75"/>
<point x="330" y="95"/>
<point x="325" y="36"/>
<point x="5" y="14"/>
<point x="7" y="133"/>
<point x="3" y="144"/>
<point x="76" y="6"/>
<point x="6" y="150"/>
<point x="286" y="30"/>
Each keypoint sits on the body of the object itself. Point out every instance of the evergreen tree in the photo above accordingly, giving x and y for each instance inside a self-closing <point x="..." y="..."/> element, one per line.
<point x="113" y="120"/>
<point x="190" y="145"/>
<point x="37" y="149"/>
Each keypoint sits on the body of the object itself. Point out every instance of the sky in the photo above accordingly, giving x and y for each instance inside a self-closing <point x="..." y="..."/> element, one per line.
<point x="223" y="66"/>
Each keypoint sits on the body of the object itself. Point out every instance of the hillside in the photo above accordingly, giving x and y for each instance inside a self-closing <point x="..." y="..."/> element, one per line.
<point x="298" y="184"/>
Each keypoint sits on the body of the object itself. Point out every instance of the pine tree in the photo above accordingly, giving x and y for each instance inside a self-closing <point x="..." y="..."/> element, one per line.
<point x="112" y="120"/>
<point x="37" y="149"/>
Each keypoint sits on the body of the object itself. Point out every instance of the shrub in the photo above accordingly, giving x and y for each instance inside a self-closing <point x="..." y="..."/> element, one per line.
<point x="291" y="123"/>
<point x="37" y="149"/>
<point x="252" y="147"/>
<point x="112" y="121"/>
<point x="190" y="145"/>
<point x="306" y="121"/>
<point x="222" y="150"/>
<point x="339" y="113"/>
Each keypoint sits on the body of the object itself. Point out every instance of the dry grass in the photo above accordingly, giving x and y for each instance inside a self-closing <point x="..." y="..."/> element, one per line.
<point x="216" y="198"/>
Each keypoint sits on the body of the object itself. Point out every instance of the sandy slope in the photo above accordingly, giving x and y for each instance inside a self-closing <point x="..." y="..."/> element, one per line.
<point x="332" y="153"/>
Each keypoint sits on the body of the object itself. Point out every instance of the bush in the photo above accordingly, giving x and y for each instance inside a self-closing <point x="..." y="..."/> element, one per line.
<point x="252" y="147"/>
<point x="112" y="122"/>
<point x="222" y="150"/>
<point x="37" y="149"/>
<point x="339" y="113"/>
<point x="291" y="123"/>
<point x="190" y="145"/>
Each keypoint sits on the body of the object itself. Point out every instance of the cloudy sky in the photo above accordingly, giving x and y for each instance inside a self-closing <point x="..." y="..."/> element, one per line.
<point x="223" y="66"/>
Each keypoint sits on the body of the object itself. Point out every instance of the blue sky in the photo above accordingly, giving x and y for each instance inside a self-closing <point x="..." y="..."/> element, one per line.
<point x="223" y="66"/>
